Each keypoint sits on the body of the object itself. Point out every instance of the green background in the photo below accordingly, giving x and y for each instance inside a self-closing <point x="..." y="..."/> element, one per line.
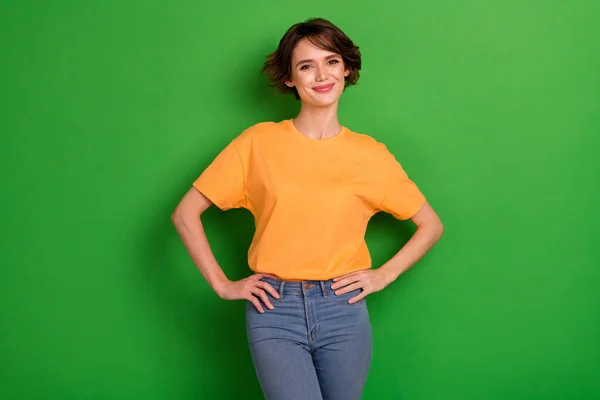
<point x="111" y="109"/>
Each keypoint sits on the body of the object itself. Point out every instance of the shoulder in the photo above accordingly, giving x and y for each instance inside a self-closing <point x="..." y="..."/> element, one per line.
<point x="256" y="133"/>
<point x="258" y="129"/>
<point x="368" y="145"/>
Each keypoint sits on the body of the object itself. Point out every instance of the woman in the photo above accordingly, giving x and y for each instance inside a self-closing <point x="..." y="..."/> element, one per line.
<point x="312" y="186"/>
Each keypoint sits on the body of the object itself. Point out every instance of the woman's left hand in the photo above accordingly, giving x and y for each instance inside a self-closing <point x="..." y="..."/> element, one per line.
<point x="369" y="280"/>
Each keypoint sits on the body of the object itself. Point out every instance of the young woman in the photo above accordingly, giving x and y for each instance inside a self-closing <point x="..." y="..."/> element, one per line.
<point x="312" y="186"/>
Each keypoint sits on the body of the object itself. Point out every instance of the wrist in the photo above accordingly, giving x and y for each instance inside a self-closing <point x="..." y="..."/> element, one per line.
<point x="388" y="274"/>
<point x="220" y="284"/>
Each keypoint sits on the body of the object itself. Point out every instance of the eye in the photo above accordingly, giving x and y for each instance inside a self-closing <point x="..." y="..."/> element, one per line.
<point x="305" y="66"/>
<point x="334" y="61"/>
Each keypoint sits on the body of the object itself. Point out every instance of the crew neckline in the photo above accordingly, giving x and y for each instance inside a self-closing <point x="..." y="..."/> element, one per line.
<point x="337" y="136"/>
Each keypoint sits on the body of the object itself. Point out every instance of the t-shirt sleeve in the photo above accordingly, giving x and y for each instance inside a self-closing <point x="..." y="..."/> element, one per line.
<point x="401" y="196"/>
<point x="224" y="180"/>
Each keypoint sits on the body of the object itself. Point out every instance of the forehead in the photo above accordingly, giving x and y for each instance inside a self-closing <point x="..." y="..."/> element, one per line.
<point x="306" y="49"/>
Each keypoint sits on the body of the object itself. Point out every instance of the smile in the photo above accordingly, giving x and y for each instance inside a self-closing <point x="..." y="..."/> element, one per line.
<point x="324" y="88"/>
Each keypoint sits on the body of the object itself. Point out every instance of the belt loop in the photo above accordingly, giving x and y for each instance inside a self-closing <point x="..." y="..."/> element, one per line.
<point x="323" y="289"/>
<point x="281" y="285"/>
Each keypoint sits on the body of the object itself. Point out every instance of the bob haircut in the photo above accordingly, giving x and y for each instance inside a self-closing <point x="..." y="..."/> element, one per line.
<point x="321" y="33"/>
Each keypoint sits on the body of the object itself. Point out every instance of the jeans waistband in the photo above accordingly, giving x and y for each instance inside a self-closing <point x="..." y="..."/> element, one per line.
<point x="300" y="287"/>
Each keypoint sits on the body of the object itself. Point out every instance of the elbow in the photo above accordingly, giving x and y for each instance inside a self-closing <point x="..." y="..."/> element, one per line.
<point x="184" y="213"/>
<point x="176" y="216"/>
<point x="437" y="228"/>
<point x="433" y="228"/>
<point x="439" y="231"/>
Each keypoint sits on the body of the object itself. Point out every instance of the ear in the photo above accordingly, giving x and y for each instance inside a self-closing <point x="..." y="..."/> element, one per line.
<point x="347" y="72"/>
<point x="289" y="83"/>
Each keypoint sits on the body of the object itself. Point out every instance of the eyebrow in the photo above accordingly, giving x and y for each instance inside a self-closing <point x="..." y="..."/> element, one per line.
<point x="311" y="60"/>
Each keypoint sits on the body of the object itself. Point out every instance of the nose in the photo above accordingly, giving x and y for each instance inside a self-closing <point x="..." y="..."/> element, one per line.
<point x="321" y="75"/>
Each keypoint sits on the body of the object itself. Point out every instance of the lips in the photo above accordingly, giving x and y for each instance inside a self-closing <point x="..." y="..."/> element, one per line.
<point x="323" y="88"/>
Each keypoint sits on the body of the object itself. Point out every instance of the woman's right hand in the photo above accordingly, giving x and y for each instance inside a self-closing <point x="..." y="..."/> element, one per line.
<point x="251" y="289"/>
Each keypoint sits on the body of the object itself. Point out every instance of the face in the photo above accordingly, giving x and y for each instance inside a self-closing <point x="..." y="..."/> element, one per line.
<point x="317" y="74"/>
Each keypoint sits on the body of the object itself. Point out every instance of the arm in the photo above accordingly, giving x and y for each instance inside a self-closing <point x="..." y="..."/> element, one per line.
<point x="429" y="231"/>
<point x="187" y="221"/>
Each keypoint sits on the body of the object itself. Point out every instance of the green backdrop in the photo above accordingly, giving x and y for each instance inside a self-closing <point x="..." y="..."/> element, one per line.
<point x="111" y="109"/>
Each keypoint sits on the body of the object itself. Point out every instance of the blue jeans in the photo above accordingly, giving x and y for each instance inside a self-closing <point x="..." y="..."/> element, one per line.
<point x="313" y="345"/>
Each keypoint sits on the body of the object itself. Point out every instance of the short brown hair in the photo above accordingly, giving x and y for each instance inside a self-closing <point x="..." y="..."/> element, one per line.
<point x="321" y="33"/>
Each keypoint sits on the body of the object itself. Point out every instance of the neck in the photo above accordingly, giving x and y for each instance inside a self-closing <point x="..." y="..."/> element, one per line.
<point x="318" y="122"/>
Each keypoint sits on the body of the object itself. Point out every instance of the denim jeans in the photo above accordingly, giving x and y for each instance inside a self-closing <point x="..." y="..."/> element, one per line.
<point x="313" y="345"/>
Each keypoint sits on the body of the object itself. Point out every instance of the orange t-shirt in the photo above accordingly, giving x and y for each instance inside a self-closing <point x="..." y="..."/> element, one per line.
<point x="311" y="199"/>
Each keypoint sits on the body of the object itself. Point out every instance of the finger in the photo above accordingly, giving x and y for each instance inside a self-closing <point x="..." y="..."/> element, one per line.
<point x="346" y="281"/>
<point x="269" y="289"/>
<point x="348" y="288"/>
<point x="263" y="275"/>
<point x="358" y="297"/>
<point x="256" y="303"/>
<point x="261" y="293"/>
<point x="343" y="276"/>
<point x="350" y="274"/>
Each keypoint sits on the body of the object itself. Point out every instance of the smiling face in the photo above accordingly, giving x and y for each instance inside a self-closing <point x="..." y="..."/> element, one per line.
<point x="317" y="74"/>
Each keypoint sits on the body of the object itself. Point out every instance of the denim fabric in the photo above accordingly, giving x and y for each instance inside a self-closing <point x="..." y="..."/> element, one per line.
<point x="313" y="345"/>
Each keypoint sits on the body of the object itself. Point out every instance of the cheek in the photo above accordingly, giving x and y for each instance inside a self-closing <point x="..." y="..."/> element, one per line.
<point x="304" y="79"/>
<point x="340" y="72"/>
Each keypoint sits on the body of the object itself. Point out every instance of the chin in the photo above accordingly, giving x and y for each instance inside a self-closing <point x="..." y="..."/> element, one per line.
<point x="323" y="101"/>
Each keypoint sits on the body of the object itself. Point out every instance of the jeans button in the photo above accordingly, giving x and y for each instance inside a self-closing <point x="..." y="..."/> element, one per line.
<point x="307" y="286"/>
